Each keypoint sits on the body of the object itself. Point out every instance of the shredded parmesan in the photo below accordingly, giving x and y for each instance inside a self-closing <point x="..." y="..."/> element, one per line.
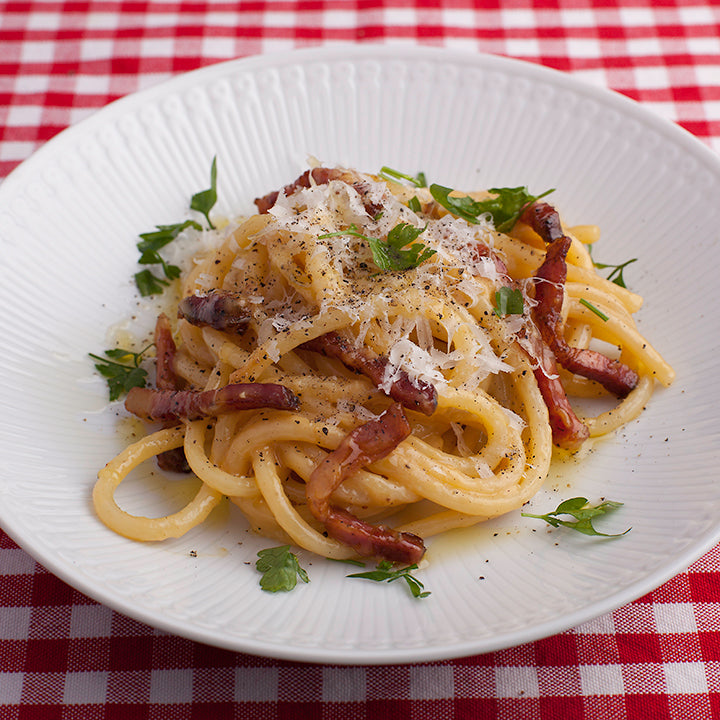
<point x="329" y="225"/>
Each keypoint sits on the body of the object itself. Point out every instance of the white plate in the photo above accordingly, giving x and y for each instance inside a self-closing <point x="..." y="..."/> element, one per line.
<point x="69" y="218"/>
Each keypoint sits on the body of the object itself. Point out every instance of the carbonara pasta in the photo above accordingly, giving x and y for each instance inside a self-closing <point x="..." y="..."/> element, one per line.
<point x="365" y="363"/>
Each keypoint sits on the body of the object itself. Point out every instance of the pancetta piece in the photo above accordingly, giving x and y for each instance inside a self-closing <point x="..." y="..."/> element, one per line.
<point x="420" y="396"/>
<point x="320" y="176"/>
<point x="568" y="431"/>
<point x="550" y="277"/>
<point x="544" y="219"/>
<point x="194" y="405"/>
<point x="483" y="251"/>
<point x="378" y="541"/>
<point x="220" y="309"/>
<point x="366" y="444"/>
<point x="166" y="379"/>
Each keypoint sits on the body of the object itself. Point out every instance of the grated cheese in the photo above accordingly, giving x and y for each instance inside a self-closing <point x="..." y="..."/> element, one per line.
<point x="327" y="222"/>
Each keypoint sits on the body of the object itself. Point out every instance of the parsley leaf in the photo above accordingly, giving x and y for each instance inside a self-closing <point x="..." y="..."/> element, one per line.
<point x="505" y="208"/>
<point x="418" y="180"/>
<point x="149" y="284"/>
<point x="385" y="573"/>
<point x="414" y="204"/>
<point x="616" y="275"/>
<point x="583" y="512"/>
<point x="149" y="246"/>
<point x="508" y="301"/>
<point x="464" y="206"/>
<point x="391" y="254"/>
<point x="280" y="569"/>
<point x="205" y="200"/>
<point x="152" y="242"/>
<point x="120" y="375"/>
<point x="149" y="254"/>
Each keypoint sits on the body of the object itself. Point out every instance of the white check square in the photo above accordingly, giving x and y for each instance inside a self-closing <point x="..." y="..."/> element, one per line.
<point x="602" y="680"/>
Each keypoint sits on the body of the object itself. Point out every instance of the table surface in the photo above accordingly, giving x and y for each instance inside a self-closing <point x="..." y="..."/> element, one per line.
<point x="62" y="655"/>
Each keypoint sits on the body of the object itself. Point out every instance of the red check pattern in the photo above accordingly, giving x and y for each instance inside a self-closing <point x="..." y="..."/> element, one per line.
<point x="65" y="656"/>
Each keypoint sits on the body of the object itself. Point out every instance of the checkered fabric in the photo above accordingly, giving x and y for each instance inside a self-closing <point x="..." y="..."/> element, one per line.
<point x="63" y="655"/>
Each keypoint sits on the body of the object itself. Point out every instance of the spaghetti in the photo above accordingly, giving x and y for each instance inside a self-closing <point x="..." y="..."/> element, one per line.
<point x="413" y="401"/>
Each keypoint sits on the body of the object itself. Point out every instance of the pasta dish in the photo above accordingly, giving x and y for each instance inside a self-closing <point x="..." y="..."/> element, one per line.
<point x="367" y="362"/>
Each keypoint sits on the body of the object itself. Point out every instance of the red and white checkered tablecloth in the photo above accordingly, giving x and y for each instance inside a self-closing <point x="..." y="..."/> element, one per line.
<point x="63" y="655"/>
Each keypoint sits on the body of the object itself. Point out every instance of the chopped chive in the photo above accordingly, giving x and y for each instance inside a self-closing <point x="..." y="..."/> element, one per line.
<point x="387" y="173"/>
<point x="590" y="306"/>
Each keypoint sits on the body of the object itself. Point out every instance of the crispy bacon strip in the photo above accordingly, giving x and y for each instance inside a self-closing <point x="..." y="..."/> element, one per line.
<point x="219" y="309"/>
<point x="374" y="540"/>
<point x="320" y="176"/>
<point x="614" y="376"/>
<point x="544" y="219"/>
<point x="224" y="311"/>
<point x="366" y="444"/>
<point x="421" y="396"/>
<point x="166" y="379"/>
<point x="482" y="250"/>
<point x="568" y="430"/>
<point x="194" y="405"/>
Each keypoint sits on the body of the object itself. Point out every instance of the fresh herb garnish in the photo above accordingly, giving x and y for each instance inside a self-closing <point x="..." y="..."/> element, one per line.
<point x="418" y="180"/>
<point x="591" y="307"/>
<point x="508" y="301"/>
<point x="348" y="561"/>
<point x="616" y="275"/>
<point x="414" y="204"/>
<point x="122" y="370"/>
<point x="204" y="200"/>
<point x="385" y="573"/>
<point x="392" y="254"/>
<point x="152" y="242"/>
<point x="149" y="284"/>
<point x="352" y="230"/>
<point x="505" y="208"/>
<point x="280" y="569"/>
<point x="463" y="206"/>
<point x="583" y="512"/>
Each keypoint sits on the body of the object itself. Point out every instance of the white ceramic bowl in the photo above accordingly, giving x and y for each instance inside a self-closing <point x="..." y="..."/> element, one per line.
<point x="69" y="219"/>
